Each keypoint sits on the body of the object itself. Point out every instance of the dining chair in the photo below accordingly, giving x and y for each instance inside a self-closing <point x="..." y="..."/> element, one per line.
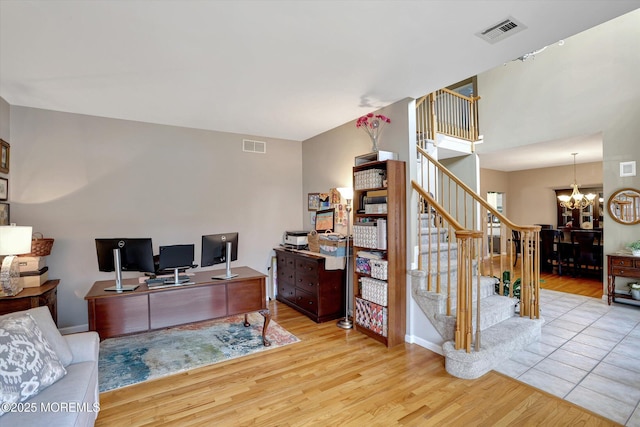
<point x="517" y="244"/>
<point x="586" y="249"/>
<point x="549" y="250"/>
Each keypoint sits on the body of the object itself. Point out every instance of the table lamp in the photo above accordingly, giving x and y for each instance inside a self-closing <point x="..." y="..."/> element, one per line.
<point x="14" y="240"/>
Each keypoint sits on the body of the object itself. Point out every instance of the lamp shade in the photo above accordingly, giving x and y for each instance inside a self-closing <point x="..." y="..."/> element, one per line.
<point x="15" y="240"/>
<point x="346" y="192"/>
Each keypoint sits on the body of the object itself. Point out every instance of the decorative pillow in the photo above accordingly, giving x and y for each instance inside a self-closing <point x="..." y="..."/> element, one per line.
<point x="51" y="334"/>
<point x="27" y="362"/>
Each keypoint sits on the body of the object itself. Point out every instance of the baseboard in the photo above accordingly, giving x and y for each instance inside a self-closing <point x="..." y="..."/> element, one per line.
<point x="74" y="329"/>
<point x="436" y="348"/>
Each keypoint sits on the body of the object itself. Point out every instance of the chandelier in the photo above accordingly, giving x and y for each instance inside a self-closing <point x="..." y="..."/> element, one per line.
<point x="576" y="200"/>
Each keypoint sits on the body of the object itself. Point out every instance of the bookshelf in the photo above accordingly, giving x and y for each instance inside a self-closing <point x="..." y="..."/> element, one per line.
<point x="379" y="250"/>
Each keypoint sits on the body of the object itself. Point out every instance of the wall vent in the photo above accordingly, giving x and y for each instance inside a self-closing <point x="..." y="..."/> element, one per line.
<point x="251" y="146"/>
<point x="500" y="31"/>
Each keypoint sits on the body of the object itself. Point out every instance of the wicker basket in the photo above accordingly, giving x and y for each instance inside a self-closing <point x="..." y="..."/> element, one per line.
<point x="40" y="246"/>
<point x="313" y="241"/>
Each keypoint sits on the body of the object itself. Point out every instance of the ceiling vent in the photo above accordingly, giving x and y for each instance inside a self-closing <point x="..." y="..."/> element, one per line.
<point x="501" y="30"/>
<point x="251" y="146"/>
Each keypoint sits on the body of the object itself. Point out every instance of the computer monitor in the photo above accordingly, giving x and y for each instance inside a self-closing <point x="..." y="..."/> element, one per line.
<point x="218" y="249"/>
<point x="176" y="258"/>
<point x="124" y="254"/>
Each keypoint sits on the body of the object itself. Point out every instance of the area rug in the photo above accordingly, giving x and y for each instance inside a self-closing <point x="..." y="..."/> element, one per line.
<point x="132" y="359"/>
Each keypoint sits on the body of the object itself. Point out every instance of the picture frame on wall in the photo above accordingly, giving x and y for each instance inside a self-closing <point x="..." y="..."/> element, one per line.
<point x="4" y="156"/>
<point x="313" y="203"/>
<point x="325" y="201"/>
<point x="4" y="189"/>
<point x="5" y="218"/>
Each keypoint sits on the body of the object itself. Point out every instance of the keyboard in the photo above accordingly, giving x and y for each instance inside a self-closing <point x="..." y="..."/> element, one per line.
<point x="163" y="282"/>
<point x="168" y="285"/>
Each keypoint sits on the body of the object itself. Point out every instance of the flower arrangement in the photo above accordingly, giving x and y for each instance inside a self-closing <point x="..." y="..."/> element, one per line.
<point x="635" y="247"/>
<point x="634" y="285"/>
<point x="373" y="125"/>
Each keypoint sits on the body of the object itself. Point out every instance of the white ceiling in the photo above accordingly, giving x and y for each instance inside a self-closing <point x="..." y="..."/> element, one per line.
<point x="545" y="154"/>
<point x="280" y="69"/>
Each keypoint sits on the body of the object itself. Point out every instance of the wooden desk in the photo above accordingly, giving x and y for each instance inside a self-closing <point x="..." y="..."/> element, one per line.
<point x="621" y="265"/>
<point x="119" y="313"/>
<point x="47" y="294"/>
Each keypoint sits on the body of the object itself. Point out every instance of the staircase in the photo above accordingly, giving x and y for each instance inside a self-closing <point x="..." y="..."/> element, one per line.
<point x="456" y="286"/>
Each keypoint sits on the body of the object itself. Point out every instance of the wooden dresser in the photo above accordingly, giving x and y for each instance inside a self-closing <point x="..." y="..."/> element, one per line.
<point x="45" y="295"/>
<point x="624" y="266"/>
<point x="305" y="284"/>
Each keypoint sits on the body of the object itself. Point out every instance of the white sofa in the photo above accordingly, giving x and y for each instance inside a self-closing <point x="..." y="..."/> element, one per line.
<point x="73" y="400"/>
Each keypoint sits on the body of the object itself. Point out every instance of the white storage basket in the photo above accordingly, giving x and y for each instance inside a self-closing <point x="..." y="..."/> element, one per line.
<point x="370" y="178"/>
<point x="379" y="268"/>
<point x="374" y="290"/>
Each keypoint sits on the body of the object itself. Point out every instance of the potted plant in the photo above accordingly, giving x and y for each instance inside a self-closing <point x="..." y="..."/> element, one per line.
<point x="635" y="247"/>
<point x="635" y="290"/>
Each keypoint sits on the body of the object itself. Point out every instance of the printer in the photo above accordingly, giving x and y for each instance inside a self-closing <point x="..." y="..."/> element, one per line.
<point x="295" y="239"/>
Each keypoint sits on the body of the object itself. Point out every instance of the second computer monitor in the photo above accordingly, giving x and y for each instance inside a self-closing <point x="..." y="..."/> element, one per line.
<point x="176" y="256"/>
<point x="218" y="249"/>
<point x="214" y="248"/>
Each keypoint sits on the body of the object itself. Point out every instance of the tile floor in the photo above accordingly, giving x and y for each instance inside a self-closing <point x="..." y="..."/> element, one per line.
<point x="588" y="354"/>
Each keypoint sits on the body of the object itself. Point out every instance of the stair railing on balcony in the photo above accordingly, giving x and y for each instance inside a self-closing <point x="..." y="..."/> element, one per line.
<point x="453" y="214"/>
<point x="449" y="113"/>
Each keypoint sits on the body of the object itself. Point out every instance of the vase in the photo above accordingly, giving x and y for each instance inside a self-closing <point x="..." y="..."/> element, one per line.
<point x="635" y="252"/>
<point x="635" y="294"/>
<point x="374" y="141"/>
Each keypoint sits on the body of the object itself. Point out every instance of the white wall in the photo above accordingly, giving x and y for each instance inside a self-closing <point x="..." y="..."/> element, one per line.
<point x="327" y="161"/>
<point x="566" y="91"/>
<point x="77" y="177"/>
<point x="588" y="85"/>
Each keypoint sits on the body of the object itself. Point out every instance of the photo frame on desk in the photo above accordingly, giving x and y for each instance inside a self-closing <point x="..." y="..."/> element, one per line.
<point x="5" y="218"/>
<point x="4" y="156"/>
<point x="4" y="189"/>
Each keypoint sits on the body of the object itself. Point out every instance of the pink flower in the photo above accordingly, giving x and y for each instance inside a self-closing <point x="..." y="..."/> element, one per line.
<point x="372" y="124"/>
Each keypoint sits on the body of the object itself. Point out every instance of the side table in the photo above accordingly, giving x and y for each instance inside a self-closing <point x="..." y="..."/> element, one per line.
<point x="45" y="295"/>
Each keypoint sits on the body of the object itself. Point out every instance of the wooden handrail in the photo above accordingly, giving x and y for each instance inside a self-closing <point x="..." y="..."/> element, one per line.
<point x="456" y="228"/>
<point x="449" y="113"/>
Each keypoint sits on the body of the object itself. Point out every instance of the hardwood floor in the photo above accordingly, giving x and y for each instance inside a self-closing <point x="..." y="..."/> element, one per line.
<point x="335" y="377"/>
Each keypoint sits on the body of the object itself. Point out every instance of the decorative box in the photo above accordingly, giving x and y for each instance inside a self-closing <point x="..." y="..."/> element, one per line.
<point x="371" y="316"/>
<point x="31" y="263"/>
<point x="34" y="279"/>
<point x="374" y="290"/>
<point x="379" y="268"/>
<point x="365" y="236"/>
<point x="332" y="245"/>
<point x="370" y="178"/>
<point x="377" y="208"/>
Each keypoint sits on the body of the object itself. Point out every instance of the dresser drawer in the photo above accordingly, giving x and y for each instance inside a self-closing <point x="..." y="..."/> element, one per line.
<point x="306" y="267"/>
<point x="307" y="301"/>
<point x="308" y="282"/>
<point x="286" y="275"/>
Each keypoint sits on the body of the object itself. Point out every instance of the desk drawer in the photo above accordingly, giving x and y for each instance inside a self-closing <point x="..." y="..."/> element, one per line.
<point x="625" y="272"/>
<point x="623" y="262"/>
